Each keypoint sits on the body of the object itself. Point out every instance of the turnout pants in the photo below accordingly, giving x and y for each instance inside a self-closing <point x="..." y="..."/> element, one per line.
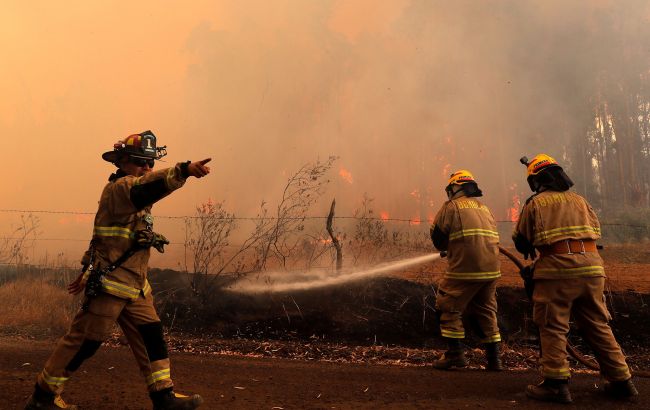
<point x="555" y="300"/>
<point x="141" y="326"/>
<point x="477" y="299"/>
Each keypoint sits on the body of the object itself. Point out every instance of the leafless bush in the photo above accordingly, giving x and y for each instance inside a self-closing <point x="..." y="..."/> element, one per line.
<point x="370" y="234"/>
<point x="207" y="240"/>
<point x="315" y="250"/>
<point x="373" y="241"/>
<point x="207" y="235"/>
<point x="302" y="190"/>
<point x="273" y="237"/>
<point x="14" y="248"/>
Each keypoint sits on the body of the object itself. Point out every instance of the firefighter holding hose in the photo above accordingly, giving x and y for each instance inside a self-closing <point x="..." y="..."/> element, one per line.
<point x="567" y="281"/>
<point x="465" y="228"/>
<point x="115" y="277"/>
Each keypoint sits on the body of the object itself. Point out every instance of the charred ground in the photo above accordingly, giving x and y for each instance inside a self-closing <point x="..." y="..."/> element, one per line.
<point x="386" y="316"/>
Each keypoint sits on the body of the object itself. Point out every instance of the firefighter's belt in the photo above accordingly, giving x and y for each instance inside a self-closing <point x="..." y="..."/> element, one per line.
<point x="568" y="247"/>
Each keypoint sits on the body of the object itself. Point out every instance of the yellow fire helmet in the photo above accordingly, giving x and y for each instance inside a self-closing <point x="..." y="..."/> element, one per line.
<point x="462" y="180"/>
<point x="461" y="177"/>
<point x="540" y="162"/>
<point x="545" y="173"/>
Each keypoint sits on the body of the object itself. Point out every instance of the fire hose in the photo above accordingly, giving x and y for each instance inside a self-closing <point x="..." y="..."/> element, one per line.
<point x="589" y="363"/>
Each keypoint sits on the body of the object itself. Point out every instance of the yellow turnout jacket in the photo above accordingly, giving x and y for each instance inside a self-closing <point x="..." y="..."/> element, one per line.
<point x="552" y="216"/>
<point x="124" y="208"/>
<point x="466" y="229"/>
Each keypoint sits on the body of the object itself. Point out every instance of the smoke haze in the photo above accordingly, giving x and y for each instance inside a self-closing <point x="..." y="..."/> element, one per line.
<point x="404" y="92"/>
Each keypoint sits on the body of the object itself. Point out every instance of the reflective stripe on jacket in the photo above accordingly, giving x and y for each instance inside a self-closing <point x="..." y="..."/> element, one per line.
<point x="123" y="291"/>
<point x="472" y="252"/>
<point x="550" y="217"/>
<point x="116" y="222"/>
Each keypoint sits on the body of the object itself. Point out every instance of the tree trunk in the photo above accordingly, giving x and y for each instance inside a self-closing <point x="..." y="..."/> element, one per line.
<point x="335" y="240"/>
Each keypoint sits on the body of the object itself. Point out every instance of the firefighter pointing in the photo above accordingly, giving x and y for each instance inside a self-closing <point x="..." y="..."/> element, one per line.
<point x="115" y="277"/>
<point x="465" y="228"/>
<point x="568" y="281"/>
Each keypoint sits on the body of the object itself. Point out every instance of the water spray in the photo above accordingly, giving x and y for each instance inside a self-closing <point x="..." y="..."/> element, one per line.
<point x="284" y="282"/>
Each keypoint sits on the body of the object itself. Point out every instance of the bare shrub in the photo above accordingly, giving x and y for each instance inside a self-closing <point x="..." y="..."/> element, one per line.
<point x="207" y="240"/>
<point x="302" y="190"/>
<point x="274" y="237"/>
<point x="372" y="240"/>
<point x="315" y="250"/>
<point x="14" y="248"/>
<point x="370" y="234"/>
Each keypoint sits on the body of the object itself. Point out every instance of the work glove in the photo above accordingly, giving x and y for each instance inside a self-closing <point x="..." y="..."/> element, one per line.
<point x="530" y="252"/>
<point x="526" y="274"/>
<point x="144" y="238"/>
<point x="159" y="242"/>
<point x="524" y="246"/>
<point x="150" y="239"/>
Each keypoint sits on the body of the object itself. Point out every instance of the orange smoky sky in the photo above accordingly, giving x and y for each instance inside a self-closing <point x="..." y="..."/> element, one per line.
<point x="403" y="92"/>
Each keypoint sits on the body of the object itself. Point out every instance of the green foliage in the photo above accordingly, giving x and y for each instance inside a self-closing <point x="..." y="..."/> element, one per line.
<point x="627" y="226"/>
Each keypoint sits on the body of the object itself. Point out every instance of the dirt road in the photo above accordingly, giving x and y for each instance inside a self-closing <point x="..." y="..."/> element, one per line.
<point x="110" y="380"/>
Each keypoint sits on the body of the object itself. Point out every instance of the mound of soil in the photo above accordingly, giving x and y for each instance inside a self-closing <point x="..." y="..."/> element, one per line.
<point x="385" y="310"/>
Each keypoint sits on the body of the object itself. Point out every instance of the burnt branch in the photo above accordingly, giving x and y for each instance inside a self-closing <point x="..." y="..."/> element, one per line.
<point x="335" y="240"/>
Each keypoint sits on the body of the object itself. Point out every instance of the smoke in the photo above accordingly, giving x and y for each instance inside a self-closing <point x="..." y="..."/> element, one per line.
<point x="402" y="91"/>
<point x="274" y="282"/>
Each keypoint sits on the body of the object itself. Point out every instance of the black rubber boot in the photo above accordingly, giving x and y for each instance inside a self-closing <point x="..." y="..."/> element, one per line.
<point x="493" y="356"/>
<point x="454" y="357"/>
<point x="168" y="400"/>
<point x="623" y="390"/>
<point x="43" y="400"/>
<point x="555" y="390"/>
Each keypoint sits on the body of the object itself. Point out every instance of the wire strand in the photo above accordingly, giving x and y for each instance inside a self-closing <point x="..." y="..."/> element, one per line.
<point x="411" y="221"/>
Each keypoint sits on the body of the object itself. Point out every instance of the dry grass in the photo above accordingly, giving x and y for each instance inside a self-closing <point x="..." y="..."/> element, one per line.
<point x="35" y="306"/>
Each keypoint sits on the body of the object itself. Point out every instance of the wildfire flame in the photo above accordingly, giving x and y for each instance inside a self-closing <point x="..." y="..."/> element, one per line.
<point x="346" y="175"/>
<point x="513" y="211"/>
<point x="384" y="216"/>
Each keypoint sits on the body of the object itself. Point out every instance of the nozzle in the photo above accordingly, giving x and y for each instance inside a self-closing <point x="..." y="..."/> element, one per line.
<point x="524" y="160"/>
<point x="443" y="254"/>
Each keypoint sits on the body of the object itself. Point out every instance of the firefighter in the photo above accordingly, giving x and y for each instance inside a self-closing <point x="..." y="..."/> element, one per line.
<point x="568" y="281"/>
<point x="115" y="277"/>
<point x="465" y="228"/>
